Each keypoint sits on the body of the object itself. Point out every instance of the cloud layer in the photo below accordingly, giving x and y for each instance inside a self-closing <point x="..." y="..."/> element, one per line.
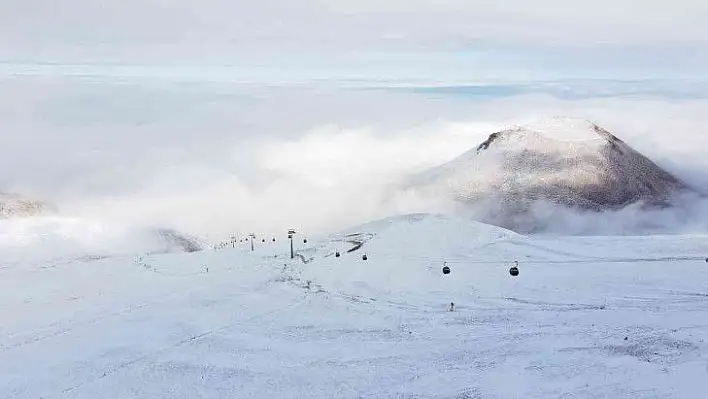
<point x="217" y="158"/>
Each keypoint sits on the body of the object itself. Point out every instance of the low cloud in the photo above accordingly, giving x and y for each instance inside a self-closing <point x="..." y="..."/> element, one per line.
<point x="214" y="159"/>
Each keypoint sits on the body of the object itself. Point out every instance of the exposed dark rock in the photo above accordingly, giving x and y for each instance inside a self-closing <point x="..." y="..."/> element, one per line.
<point x="179" y="241"/>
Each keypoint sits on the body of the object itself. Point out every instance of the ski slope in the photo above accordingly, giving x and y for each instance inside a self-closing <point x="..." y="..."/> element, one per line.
<point x="587" y="317"/>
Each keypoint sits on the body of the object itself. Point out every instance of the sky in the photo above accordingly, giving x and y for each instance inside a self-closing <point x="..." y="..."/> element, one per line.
<point x="468" y="39"/>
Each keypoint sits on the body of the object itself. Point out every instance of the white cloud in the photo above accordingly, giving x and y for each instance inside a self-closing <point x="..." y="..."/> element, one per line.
<point x="221" y="30"/>
<point x="216" y="157"/>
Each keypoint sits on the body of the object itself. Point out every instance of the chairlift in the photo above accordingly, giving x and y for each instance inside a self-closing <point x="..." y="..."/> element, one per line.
<point x="365" y="257"/>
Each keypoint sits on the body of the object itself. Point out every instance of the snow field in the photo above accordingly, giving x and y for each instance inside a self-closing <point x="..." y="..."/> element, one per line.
<point x="586" y="317"/>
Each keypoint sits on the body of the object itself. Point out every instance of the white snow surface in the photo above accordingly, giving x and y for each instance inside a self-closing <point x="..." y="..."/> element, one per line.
<point x="565" y="129"/>
<point x="587" y="317"/>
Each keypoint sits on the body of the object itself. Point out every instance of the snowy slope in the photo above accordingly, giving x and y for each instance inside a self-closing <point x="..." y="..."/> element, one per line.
<point x="587" y="317"/>
<point x="563" y="161"/>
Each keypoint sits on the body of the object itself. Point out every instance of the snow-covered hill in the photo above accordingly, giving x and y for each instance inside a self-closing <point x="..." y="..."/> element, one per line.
<point x="567" y="162"/>
<point x="12" y="205"/>
<point x="586" y="317"/>
<point x="63" y="239"/>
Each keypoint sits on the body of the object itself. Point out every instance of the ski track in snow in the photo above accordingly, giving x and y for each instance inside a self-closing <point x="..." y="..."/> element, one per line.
<point x="586" y="318"/>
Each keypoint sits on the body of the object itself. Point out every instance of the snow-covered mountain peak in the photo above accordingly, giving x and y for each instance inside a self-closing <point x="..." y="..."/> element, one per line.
<point x="562" y="161"/>
<point x="551" y="135"/>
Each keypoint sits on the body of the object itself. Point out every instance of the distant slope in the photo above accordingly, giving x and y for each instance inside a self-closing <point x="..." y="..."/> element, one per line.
<point x="43" y="238"/>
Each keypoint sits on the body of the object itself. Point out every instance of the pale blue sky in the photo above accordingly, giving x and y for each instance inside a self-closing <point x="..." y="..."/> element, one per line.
<point x="466" y="39"/>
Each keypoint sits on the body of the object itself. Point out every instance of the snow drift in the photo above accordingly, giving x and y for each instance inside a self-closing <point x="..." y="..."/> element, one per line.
<point x="571" y="164"/>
